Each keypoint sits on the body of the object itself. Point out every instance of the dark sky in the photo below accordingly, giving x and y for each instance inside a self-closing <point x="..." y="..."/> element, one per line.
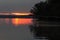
<point x="17" y="5"/>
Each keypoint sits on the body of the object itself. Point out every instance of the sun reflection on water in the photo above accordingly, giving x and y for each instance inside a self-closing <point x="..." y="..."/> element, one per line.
<point x="20" y="21"/>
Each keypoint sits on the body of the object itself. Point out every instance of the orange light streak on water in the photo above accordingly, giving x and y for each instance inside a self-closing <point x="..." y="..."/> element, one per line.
<point x="20" y="21"/>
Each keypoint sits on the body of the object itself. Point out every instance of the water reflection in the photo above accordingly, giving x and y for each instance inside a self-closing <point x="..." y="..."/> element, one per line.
<point x="15" y="29"/>
<point x="21" y="21"/>
<point x="16" y="21"/>
<point x="10" y="32"/>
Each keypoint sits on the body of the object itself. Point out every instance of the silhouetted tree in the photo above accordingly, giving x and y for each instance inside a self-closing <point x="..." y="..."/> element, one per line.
<point x="52" y="8"/>
<point x="39" y="9"/>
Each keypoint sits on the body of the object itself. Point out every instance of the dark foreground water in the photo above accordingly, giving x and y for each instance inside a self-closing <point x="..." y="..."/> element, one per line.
<point x="15" y="33"/>
<point x="10" y="32"/>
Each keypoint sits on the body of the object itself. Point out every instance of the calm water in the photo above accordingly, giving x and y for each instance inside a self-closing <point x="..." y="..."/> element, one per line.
<point x="8" y="31"/>
<point x="15" y="29"/>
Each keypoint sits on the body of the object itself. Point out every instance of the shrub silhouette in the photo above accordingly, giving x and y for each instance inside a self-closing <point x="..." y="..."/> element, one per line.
<point x="52" y="8"/>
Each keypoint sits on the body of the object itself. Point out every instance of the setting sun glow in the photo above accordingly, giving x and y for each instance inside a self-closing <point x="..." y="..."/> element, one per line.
<point x="21" y="14"/>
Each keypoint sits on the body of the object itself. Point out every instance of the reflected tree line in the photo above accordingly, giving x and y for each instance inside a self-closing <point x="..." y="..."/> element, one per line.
<point x="46" y="11"/>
